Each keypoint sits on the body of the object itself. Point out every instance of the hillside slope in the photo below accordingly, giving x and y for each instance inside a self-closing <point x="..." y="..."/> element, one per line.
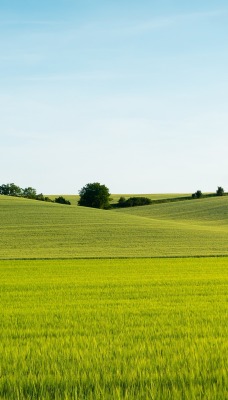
<point x="209" y="211"/>
<point x="33" y="229"/>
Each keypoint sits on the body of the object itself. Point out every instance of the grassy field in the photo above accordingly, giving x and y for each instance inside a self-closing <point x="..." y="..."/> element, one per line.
<point x="33" y="229"/>
<point x="101" y="327"/>
<point x="209" y="211"/>
<point x="114" y="329"/>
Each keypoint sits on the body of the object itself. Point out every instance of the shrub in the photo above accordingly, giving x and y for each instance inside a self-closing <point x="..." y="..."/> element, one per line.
<point x="40" y="197"/>
<point x="62" y="200"/>
<point x="121" y="201"/>
<point x="134" y="202"/>
<point x="197" y="195"/>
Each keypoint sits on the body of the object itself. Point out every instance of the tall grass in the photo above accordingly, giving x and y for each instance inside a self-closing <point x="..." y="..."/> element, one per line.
<point x="117" y="329"/>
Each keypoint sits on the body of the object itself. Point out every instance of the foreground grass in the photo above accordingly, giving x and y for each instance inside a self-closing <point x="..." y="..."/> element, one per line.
<point x="114" y="329"/>
<point x="34" y="229"/>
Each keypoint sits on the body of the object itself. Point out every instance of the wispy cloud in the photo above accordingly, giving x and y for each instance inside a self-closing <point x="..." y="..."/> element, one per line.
<point x="157" y="22"/>
<point x="25" y="58"/>
<point x="91" y="76"/>
<point x="30" y="22"/>
<point x="168" y="21"/>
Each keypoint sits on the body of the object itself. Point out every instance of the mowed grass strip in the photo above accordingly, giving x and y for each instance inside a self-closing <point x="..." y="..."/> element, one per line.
<point x="33" y="229"/>
<point x="114" y="329"/>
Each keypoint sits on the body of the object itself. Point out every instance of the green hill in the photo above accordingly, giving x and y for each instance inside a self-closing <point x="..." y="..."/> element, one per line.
<point x="33" y="229"/>
<point x="209" y="211"/>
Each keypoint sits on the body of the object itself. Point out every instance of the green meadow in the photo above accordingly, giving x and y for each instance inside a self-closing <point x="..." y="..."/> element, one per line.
<point x="35" y="229"/>
<point x="208" y="211"/>
<point x="122" y="304"/>
<point x="114" y="329"/>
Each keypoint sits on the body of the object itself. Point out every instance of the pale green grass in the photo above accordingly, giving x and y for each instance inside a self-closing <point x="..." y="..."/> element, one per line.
<point x="114" y="329"/>
<point x="209" y="211"/>
<point x="33" y="229"/>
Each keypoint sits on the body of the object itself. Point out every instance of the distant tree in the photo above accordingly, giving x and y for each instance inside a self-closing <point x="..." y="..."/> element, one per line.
<point x="29" y="193"/>
<point x="48" y="199"/>
<point x="121" y="201"/>
<point x="220" y="191"/>
<point x="197" y="195"/>
<point x="94" y="195"/>
<point x="10" y="189"/>
<point x="135" y="201"/>
<point x="4" y="189"/>
<point x="62" y="200"/>
<point x="40" y="197"/>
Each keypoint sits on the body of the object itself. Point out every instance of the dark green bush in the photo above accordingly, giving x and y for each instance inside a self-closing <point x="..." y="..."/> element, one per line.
<point x="220" y="191"/>
<point x="62" y="200"/>
<point x="94" y="195"/>
<point x="197" y="195"/>
<point x="134" y="202"/>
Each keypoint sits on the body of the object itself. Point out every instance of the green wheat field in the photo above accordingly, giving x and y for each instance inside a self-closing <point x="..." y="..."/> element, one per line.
<point x="120" y="304"/>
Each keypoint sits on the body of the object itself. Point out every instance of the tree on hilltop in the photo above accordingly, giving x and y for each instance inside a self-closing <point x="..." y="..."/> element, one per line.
<point x="29" y="193"/>
<point x="62" y="200"/>
<point x="94" y="195"/>
<point x="10" y="189"/>
<point x="220" y="191"/>
<point x="197" y="195"/>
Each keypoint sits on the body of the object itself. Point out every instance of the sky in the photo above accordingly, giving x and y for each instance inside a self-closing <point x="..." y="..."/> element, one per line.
<point x="131" y="94"/>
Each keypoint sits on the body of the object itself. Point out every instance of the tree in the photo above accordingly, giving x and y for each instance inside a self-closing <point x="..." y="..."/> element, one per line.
<point x="29" y="192"/>
<point x="197" y="195"/>
<point x="220" y="191"/>
<point x="94" y="195"/>
<point x="10" y="189"/>
<point x="62" y="200"/>
<point x="40" y="197"/>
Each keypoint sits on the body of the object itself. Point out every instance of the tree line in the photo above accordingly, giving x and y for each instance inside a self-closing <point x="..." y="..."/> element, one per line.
<point x="198" y="194"/>
<point x="10" y="189"/>
<point x="96" y="195"/>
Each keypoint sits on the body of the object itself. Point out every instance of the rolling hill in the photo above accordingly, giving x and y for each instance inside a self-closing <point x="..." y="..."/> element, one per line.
<point x="34" y="229"/>
<point x="212" y="211"/>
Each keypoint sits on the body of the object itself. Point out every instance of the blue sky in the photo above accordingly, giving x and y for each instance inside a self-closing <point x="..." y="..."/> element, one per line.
<point x="130" y="94"/>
